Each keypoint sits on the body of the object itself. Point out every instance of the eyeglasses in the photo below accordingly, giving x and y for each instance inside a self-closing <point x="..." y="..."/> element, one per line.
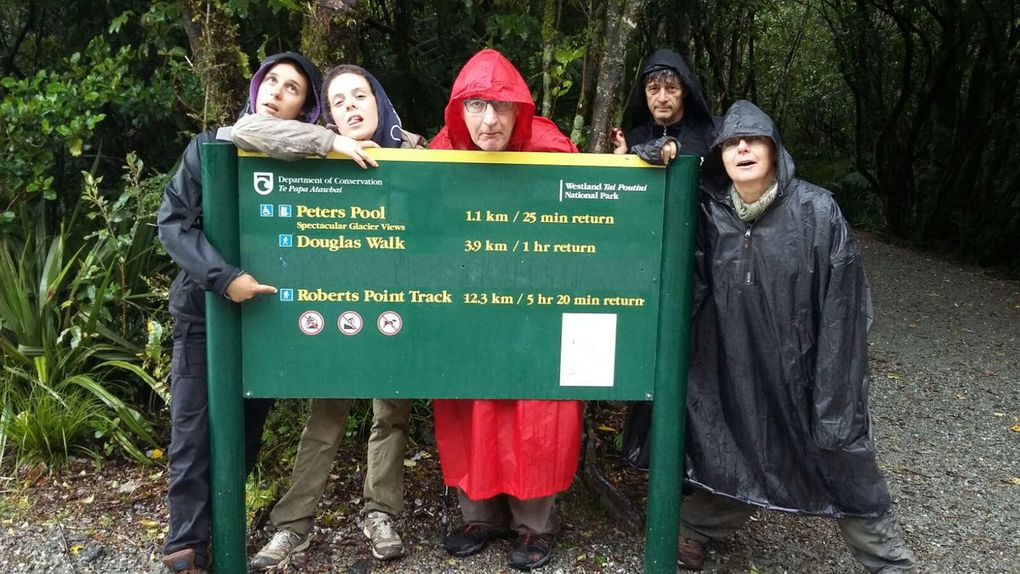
<point x="749" y="140"/>
<point x="655" y="87"/>
<point x="478" y="105"/>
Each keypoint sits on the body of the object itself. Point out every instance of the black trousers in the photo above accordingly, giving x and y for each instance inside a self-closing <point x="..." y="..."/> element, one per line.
<point x="188" y="494"/>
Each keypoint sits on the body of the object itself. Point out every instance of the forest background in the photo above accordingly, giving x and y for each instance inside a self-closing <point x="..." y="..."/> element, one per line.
<point x="907" y="110"/>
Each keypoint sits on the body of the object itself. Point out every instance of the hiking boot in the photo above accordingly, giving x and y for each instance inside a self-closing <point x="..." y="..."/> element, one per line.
<point x="280" y="548"/>
<point x="691" y="554"/>
<point x="182" y="562"/>
<point x="470" y="539"/>
<point x="386" y="543"/>
<point x="531" y="551"/>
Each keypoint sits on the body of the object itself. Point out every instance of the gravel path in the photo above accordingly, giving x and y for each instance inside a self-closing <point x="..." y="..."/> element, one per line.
<point x="945" y="354"/>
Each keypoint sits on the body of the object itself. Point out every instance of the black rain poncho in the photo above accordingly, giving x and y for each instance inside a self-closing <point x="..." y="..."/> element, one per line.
<point x="777" y="399"/>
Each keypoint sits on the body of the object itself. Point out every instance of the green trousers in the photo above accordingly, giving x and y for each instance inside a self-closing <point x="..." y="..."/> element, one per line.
<point x="877" y="543"/>
<point x="384" y="481"/>
<point x="502" y="512"/>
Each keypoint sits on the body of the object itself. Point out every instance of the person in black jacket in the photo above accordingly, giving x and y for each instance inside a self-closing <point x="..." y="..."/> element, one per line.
<point x="667" y="113"/>
<point x="286" y="85"/>
<point x="777" y="396"/>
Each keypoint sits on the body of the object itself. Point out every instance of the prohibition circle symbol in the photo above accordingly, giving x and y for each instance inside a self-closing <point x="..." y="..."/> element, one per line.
<point x="311" y="323"/>
<point x="350" y="323"/>
<point x="390" y="323"/>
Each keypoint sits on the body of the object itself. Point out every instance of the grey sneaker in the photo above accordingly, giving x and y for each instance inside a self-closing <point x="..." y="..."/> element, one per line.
<point x="386" y="543"/>
<point x="280" y="548"/>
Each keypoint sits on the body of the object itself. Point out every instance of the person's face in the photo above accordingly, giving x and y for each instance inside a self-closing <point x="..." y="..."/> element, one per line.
<point x="665" y="99"/>
<point x="353" y="106"/>
<point x="750" y="162"/>
<point x="490" y="123"/>
<point x="282" y="92"/>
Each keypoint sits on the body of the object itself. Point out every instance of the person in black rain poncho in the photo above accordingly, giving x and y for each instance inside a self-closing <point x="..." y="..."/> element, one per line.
<point x="666" y="109"/>
<point x="777" y="400"/>
<point x="666" y="114"/>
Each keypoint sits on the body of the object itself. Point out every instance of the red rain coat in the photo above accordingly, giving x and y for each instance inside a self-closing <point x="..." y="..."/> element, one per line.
<point x="526" y="448"/>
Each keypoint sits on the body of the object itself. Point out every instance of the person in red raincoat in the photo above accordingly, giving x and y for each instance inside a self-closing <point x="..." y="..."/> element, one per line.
<point x="506" y="459"/>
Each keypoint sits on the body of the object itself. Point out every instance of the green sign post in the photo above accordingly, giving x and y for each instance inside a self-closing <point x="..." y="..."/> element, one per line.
<point x="446" y="274"/>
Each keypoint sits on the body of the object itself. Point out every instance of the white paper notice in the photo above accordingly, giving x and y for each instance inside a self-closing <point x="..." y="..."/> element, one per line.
<point x="588" y="350"/>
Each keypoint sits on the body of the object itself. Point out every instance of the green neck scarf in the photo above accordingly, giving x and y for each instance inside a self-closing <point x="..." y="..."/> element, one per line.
<point x="752" y="211"/>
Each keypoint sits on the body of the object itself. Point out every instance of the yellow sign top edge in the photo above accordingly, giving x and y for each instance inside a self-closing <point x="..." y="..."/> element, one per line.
<point x="497" y="157"/>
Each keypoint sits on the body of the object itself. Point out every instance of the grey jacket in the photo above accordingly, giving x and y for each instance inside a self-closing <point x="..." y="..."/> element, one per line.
<point x="292" y="140"/>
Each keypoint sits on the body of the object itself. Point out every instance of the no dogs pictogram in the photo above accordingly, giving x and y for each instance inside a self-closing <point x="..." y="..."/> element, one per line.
<point x="390" y="323"/>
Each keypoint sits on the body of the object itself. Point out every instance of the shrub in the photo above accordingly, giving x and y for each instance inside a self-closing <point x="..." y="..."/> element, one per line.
<point x="69" y="324"/>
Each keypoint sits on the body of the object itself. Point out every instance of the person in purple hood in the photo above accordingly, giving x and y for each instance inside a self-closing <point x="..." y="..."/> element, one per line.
<point x="360" y="116"/>
<point x="285" y="86"/>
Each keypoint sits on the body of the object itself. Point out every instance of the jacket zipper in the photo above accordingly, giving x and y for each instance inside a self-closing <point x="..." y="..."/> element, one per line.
<point x="748" y="271"/>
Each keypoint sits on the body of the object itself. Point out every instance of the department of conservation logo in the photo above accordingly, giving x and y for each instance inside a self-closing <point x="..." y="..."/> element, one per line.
<point x="262" y="181"/>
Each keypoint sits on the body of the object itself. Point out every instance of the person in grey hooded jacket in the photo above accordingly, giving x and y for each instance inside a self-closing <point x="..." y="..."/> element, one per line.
<point x="777" y="398"/>
<point x="287" y="86"/>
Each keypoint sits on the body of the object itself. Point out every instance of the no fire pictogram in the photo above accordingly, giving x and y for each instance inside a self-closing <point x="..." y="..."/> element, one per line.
<point x="311" y="323"/>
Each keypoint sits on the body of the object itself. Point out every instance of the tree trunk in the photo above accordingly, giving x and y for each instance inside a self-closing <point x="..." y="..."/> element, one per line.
<point x="23" y="26"/>
<point x="617" y="504"/>
<point x="403" y="20"/>
<point x="621" y="18"/>
<point x="329" y="32"/>
<point x="596" y="24"/>
<point x="218" y="60"/>
<point x="548" y="45"/>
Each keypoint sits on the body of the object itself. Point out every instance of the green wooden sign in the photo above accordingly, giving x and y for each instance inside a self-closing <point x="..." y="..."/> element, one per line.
<point x="451" y="274"/>
<point x="437" y="276"/>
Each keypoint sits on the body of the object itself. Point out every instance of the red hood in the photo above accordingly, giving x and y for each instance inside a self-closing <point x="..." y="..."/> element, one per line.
<point x="489" y="75"/>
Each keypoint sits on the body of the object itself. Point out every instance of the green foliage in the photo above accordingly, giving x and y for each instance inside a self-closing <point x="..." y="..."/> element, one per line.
<point x="82" y="278"/>
<point x="564" y="58"/>
<point x="50" y="113"/>
<point x="935" y="92"/>
<point x="67" y="321"/>
<point x="47" y="428"/>
<point x="48" y="344"/>
<point x="124" y="254"/>
<point x="858" y="201"/>
<point x="245" y="8"/>
<point x="513" y="26"/>
<point x="70" y="115"/>
<point x="280" y="436"/>
<point x="799" y="82"/>
<point x="853" y="192"/>
<point x="83" y="284"/>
